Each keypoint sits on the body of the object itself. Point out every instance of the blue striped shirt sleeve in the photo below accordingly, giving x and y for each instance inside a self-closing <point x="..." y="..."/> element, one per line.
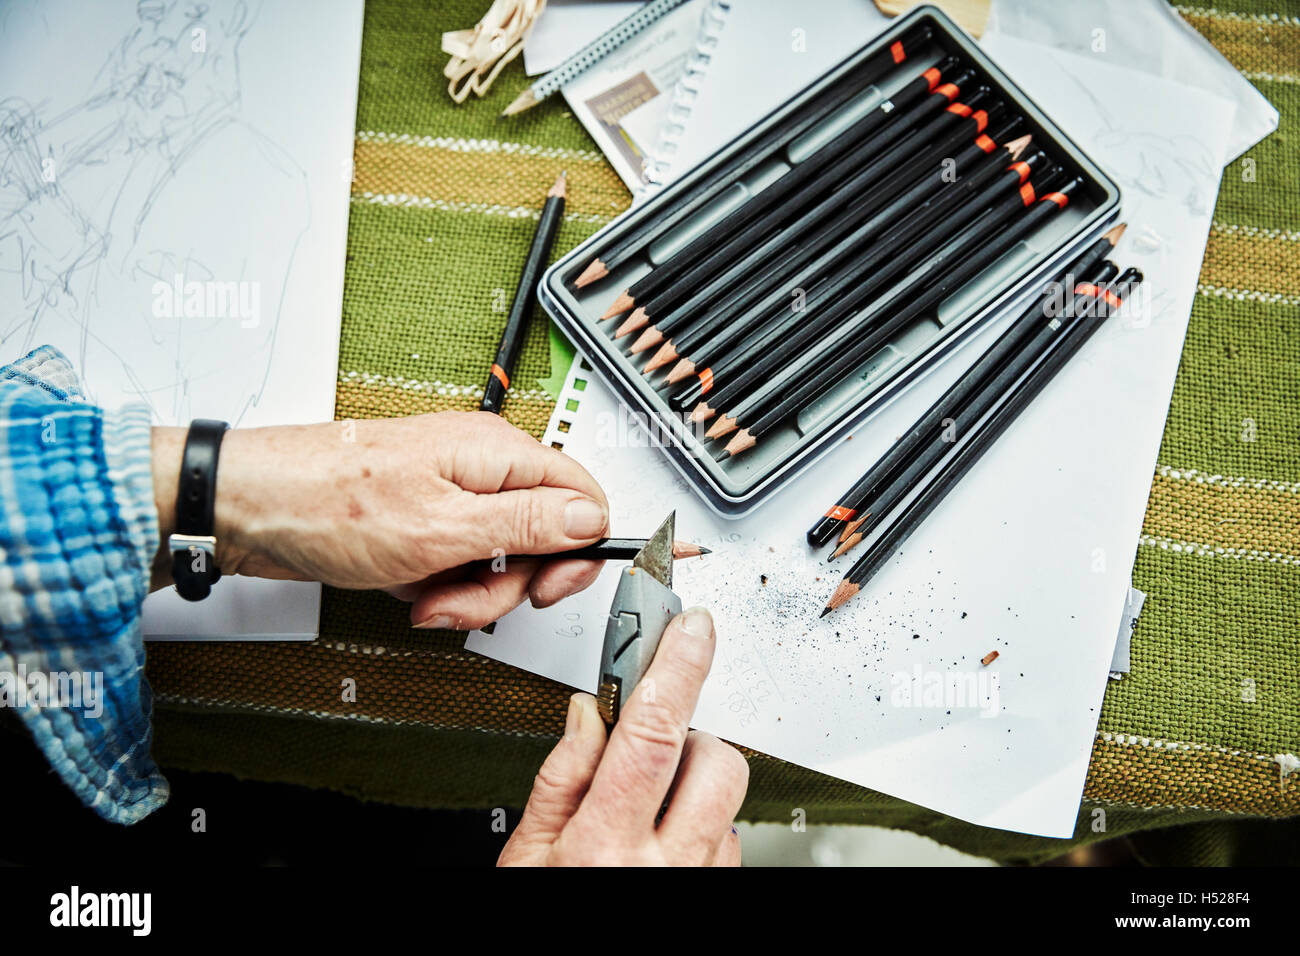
<point x="76" y="544"/>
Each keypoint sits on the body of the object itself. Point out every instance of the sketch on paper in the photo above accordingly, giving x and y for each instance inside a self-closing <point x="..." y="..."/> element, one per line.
<point x="118" y="208"/>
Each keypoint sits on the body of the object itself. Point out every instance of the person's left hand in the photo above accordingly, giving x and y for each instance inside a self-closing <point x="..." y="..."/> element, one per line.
<point x="597" y="802"/>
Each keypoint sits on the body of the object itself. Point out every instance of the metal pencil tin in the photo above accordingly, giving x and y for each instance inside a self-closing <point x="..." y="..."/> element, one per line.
<point x="738" y="485"/>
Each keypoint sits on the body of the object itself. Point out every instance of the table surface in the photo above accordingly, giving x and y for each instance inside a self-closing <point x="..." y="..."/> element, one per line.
<point x="443" y="207"/>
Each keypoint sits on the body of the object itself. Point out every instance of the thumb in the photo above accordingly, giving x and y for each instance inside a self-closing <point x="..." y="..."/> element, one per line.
<point x="561" y="782"/>
<point x="540" y="520"/>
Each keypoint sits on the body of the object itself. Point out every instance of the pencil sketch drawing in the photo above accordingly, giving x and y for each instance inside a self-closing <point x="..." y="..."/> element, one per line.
<point x="147" y="227"/>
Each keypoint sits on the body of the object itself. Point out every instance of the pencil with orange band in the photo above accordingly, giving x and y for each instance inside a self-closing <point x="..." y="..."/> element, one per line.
<point x="764" y="253"/>
<point x="539" y="253"/>
<point x="772" y="210"/>
<point x="685" y="331"/>
<point x="900" y="54"/>
<point x="969" y="408"/>
<point x="929" y="236"/>
<point x="800" y="385"/>
<point x="969" y="451"/>
<point x="848" y="514"/>
<point x="823" y="169"/>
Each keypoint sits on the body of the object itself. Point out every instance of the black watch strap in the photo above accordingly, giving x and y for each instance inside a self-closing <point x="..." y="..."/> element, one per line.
<point x="194" y="545"/>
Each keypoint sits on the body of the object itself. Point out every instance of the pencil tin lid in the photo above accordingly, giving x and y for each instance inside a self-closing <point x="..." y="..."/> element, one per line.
<point x="734" y="485"/>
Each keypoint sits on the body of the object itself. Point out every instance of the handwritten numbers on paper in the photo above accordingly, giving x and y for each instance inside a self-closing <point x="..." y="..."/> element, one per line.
<point x="572" y="626"/>
<point x="746" y="688"/>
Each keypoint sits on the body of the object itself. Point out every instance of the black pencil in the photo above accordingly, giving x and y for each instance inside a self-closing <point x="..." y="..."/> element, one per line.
<point x="837" y="188"/>
<point x="616" y="549"/>
<point x="914" y="249"/>
<point x="770" y="257"/>
<point x="919" y="100"/>
<point x="695" y="325"/>
<point x="969" y="407"/>
<point x="539" y="253"/>
<point x="972" y="449"/>
<point x="928" y="231"/>
<point x="860" y="263"/>
<point x="708" y="188"/>
<point x="799" y="385"/>
<point x="846" y="515"/>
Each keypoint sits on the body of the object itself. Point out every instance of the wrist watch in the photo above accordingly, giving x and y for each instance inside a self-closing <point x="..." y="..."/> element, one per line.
<point x="194" y="545"/>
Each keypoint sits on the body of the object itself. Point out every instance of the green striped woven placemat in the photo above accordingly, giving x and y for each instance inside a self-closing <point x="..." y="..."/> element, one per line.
<point x="444" y="202"/>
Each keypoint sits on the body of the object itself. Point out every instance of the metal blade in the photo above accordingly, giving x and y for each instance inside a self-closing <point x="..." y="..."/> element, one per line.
<point x="656" y="557"/>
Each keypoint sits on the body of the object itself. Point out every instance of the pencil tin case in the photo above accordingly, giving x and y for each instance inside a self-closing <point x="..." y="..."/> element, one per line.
<point x="735" y="486"/>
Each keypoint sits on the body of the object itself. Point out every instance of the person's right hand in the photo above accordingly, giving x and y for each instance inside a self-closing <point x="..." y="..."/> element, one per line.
<point x="425" y="507"/>
<point x="597" y="802"/>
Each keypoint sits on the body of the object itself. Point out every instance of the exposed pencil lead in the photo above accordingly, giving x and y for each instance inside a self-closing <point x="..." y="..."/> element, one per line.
<point x="1112" y="236"/>
<point x="686" y="549"/>
<point x="647" y="339"/>
<point x="1017" y="146"/>
<point x="632" y="323"/>
<point x="741" y="441"/>
<point x="723" y="457"/>
<point x="618" y="306"/>
<point x="683" y="369"/>
<point x="558" y="189"/>
<point x="842" y="593"/>
<point x="826" y="610"/>
<point x="595" y="270"/>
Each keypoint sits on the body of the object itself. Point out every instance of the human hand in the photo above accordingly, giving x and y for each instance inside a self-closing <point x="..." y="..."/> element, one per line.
<point x="418" y="506"/>
<point x="596" y="802"/>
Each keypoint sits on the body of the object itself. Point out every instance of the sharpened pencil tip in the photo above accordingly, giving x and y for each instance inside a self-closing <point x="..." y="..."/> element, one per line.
<point x="706" y="550"/>
<point x="723" y="457"/>
<point x="595" y="270"/>
<point x="1113" y="235"/>
<point x="557" y="191"/>
<point x="826" y="610"/>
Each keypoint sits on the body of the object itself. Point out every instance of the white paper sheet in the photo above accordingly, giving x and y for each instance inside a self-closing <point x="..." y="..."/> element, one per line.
<point x="211" y="142"/>
<point x="1031" y="555"/>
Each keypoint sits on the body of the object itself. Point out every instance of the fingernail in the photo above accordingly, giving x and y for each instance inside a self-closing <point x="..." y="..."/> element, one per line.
<point x="697" y="622"/>
<point x="584" y="518"/>
<point x="439" y="622"/>
<point x="573" y="720"/>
